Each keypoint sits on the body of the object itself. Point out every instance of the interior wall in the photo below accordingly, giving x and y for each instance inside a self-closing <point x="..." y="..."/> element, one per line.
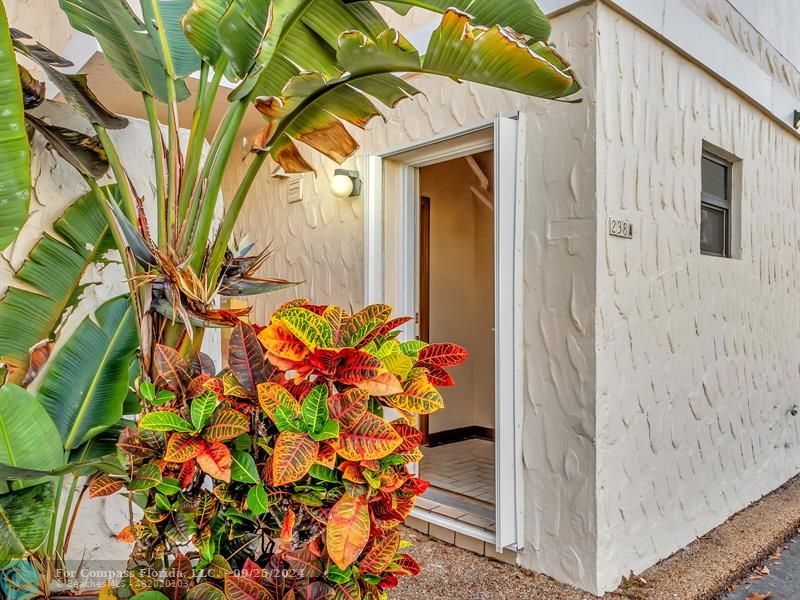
<point x="461" y="271"/>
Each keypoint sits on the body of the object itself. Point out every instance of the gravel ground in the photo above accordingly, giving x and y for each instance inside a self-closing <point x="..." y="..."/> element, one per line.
<point x="702" y="571"/>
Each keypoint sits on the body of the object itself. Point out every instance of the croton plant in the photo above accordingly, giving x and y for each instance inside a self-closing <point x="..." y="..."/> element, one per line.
<point x="283" y="476"/>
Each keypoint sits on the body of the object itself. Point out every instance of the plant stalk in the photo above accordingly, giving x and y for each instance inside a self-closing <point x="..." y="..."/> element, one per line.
<point x="62" y="531"/>
<point x="230" y="218"/>
<point x="202" y="115"/>
<point x="158" y="159"/>
<point x="128" y="203"/>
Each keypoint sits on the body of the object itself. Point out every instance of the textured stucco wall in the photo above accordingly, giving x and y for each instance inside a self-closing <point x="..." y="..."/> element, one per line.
<point x="697" y="363"/>
<point x="320" y="241"/>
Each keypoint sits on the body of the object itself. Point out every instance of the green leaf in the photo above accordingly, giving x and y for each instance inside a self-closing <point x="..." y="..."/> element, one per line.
<point x="181" y="60"/>
<point x="49" y="281"/>
<point x="27" y="432"/>
<point x="200" y="27"/>
<point x="329" y="431"/>
<point x="162" y="397"/>
<point x="147" y="390"/>
<point x="126" y="43"/>
<point x="322" y="473"/>
<point x="162" y="420"/>
<point x="169" y="486"/>
<point x="258" y="501"/>
<point x="15" y="172"/>
<point x="147" y="477"/>
<point x="86" y="384"/>
<point x="315" y="408"/>
<point x="24" y="520"/>
<point x="202" y="408"/>
<point x="523" y="16"/>
<point x="243" y="467"/>
<point x="285" y="420"/>
<point x="412" y="347"/>
<point x="163" y="502"/>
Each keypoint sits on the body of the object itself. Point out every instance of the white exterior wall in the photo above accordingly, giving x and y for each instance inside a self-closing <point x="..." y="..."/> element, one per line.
<point x="697" y="361"/>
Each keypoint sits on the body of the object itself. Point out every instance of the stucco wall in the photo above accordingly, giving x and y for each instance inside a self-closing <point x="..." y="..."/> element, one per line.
<point x="697" y="363"/>
<point x="320" y="241"/>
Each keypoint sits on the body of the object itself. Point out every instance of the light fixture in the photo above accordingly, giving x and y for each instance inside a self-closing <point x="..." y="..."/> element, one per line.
<point x="345" y="184"/>
<point x="796" y="119"/>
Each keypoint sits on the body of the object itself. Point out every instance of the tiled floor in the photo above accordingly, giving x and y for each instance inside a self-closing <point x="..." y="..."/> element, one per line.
<point x="465" y="468"/>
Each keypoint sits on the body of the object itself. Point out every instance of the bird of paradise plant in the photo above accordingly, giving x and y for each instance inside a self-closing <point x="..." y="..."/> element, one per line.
<point x="310" y="68"/>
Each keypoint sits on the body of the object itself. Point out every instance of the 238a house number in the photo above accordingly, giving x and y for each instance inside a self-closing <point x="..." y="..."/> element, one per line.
<point x="620" y="228"/>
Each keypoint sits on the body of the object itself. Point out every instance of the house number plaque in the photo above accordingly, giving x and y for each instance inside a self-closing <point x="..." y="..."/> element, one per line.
<point x="620" y="228"/>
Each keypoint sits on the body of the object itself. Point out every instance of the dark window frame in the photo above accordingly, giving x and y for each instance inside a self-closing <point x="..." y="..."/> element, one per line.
<point x="723" y="205"/>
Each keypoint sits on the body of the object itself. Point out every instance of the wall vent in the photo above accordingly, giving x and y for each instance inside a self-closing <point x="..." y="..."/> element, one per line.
<point x="295" y="186"/>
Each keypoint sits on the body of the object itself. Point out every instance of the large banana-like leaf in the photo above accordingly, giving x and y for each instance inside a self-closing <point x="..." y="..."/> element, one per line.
<point x="74" y="87"/>
<point x="312" y="107"/>
<point x="26" y="432"/>
<point x="84" y="152"/>
<point x="85" y="386"/>
<point x="126" y="42"/>
<point x="523" y="16"/>
<point x="182" y="60"/>
<point x="15" y="171"/>
<point x="50" y="281"/>
<point x="24" y="520"/>
<point x="200" y="27"/>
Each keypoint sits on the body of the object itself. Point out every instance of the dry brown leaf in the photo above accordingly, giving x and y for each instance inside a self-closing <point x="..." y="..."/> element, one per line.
<point x="757" y="596"/>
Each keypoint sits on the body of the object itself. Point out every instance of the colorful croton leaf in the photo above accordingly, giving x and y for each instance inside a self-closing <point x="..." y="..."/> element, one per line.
<point x="281" y="476"/>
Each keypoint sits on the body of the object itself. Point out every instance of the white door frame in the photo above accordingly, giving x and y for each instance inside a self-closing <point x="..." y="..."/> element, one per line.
<point x="506" y="136"/>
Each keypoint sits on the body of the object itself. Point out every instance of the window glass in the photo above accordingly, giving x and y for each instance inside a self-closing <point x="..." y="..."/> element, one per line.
<point x="713" y="230"/>
<point x="715" y="178"/>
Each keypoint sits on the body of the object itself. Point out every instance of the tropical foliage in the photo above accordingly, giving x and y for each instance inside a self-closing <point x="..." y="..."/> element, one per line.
<point x="315" y="70"/>
<point x="284" y="470"/>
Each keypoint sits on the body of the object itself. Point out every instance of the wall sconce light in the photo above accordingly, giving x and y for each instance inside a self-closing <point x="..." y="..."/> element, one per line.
<point x="345" y="184"/>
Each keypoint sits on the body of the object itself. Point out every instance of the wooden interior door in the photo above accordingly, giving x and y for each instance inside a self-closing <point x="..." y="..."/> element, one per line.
<point x="423" y="316"/>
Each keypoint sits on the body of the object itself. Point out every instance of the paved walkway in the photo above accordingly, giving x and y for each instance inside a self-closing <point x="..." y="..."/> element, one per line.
<point x="780" y="580"/>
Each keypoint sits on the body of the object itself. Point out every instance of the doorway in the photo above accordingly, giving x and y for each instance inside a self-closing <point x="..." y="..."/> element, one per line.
<point x="406" y="265"/>
<point x="456" y="304"/>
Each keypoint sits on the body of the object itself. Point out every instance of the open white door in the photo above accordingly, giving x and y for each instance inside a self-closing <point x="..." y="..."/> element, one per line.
<point x="508" y="281"/>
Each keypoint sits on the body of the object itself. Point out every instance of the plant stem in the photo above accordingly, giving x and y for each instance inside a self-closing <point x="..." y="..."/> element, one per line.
<point x="202" y="114"/>
<point x="51" y="539"/>
<point x="231" y="216"/>
<point x="158" y="160"/>
<point x="74" y="518"/>
<point x="214" y="183"/>
<point x="128" y="204"/>
<point x="62" y="531"/>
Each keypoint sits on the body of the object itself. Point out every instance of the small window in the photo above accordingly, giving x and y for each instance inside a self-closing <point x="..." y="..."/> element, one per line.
<point x="715" y="206"/>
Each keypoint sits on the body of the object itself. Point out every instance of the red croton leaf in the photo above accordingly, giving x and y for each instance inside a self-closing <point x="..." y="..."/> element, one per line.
<point x="182" y="447"/>
<point x="406" y="565"/>
<point x="438" y="376"/>
<point x="287" y="530"/>
<point x="393" y="324"/>
<point x="242" y="588"/>
<point x="294" y="454"/>
<point x="326" y="455"/>
<point x="442" y="355"/>
<point x="245" y="357"/>
<point x="370" y="438"/>
<point x="215" y="459"/>
<point x="348" y="529"/>
<point x="282" y="343"/>
<point x="412" y="437"/>
<point x="198" y="385"/>
<point x="186" y="474"/>
<point x="172" y="367"/>
<point x="348" y="407"/>
<point x="380" y="553"/>
<point x="105" y="485"/>
<point x="355" y="366"/>
<point x="252" y="571"/>
<point x="384" y="384"/>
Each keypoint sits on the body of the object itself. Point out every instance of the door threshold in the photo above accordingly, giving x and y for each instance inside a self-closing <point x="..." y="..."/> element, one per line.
<point x="453" y="524"/>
